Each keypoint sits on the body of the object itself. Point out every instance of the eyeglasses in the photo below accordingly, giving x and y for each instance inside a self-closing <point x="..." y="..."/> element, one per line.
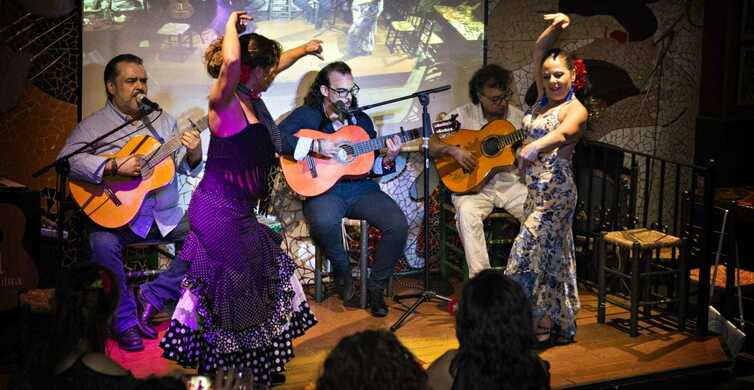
<point x="342" y="92"/>
<point x="498" y="99"/>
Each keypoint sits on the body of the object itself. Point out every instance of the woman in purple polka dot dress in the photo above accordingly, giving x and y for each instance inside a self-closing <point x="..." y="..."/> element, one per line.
<point x="242" y="305"/>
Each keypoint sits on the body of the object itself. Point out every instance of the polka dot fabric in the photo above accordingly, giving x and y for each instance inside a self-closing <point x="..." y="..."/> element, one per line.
<point x="190" y="349"/>
<point x="241" y="305"/>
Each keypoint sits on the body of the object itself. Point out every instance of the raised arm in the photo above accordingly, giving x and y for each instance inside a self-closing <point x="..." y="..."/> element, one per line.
<point x="290" y="56"/>
<point x="558" y="22"/>
<point x="230" y="72"/>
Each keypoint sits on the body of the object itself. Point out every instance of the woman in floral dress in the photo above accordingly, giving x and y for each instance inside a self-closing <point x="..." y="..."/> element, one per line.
<point x="542" y="257"/>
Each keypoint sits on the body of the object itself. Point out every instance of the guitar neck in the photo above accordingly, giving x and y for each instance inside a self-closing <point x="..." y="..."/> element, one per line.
<point x="380" y="142"/>
<point x="513" y="137"/>
<point x="173" y="144"/>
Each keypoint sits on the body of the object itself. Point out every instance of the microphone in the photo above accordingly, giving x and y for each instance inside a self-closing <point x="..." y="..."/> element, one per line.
<point x="145" y="103"/>
<point x="342" y="111"/>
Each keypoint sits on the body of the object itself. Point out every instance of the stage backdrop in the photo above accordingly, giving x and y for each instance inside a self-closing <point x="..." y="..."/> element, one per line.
<point x="395" y="47"/>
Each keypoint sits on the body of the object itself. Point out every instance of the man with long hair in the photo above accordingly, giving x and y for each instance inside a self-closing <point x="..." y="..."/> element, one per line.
<point x="358" y="198"/>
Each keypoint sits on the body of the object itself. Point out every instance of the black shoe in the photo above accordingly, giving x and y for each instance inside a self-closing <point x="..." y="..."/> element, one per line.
<point x="541" y="345"/>
<point x="377" y="303"/>
<point x="559" y="338"/>
<point x="345" y="286"/>
<point x="144" y="313"/>
<point x="130" y="340"/>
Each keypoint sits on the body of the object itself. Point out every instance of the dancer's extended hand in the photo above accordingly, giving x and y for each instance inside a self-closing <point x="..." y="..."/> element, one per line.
<point x="558" y="20"/>
<point x="314" y="47"/>
<point x="239" y="19"/>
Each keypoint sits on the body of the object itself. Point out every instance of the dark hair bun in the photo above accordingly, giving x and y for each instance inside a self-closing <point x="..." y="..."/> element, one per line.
<point x="213" y="57"/>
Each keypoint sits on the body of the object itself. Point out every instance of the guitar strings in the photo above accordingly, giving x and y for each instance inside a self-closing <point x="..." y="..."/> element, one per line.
<point x="140" y="127"/>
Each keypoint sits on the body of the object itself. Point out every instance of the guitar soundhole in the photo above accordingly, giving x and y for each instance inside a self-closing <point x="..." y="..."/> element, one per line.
<point x="491" y="146"/>
<point x="346" y="153"/>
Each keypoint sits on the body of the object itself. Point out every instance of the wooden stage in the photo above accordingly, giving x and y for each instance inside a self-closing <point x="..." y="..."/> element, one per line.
<point x="603" y="353"/>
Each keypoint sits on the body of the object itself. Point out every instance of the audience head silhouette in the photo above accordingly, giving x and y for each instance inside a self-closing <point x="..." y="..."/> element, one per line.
<point x="372" y="359"/>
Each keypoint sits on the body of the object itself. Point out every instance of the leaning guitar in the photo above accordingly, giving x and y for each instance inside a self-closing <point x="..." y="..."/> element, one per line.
<point x="491" y="145"/>
<point x="315" y="174"/>
<point x="115" y="201"/>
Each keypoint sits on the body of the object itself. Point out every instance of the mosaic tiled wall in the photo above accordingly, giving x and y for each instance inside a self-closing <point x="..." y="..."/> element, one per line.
<point x="32" y="133"/>
<point x="643" y="59"/>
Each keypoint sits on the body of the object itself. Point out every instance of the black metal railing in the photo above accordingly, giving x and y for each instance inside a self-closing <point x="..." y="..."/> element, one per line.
<point x="622" y="189"/>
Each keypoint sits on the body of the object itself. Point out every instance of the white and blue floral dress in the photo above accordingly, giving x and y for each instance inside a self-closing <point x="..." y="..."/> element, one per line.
<point x="542" y="258"/>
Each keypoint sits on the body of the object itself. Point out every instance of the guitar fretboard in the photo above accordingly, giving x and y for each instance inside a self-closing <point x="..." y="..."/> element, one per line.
<point x="380" y="142"/>
<point x="513" y="137"/>
<point x="173" y="144"/>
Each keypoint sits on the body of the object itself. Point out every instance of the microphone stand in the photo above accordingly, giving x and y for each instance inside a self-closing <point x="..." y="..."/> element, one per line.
<point x="427" y="293"/>
<point x="63" y="169"/>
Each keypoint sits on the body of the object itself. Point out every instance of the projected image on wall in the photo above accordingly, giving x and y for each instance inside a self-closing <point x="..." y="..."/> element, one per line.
<point x="395" y="47"/>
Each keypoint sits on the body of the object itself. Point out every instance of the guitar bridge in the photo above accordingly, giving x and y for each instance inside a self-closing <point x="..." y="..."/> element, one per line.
<point x="111" y="195"/>
<point x="311" y="165"/>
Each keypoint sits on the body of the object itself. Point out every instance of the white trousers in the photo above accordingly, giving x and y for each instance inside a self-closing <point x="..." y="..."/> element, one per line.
<point x="504" y="190"/>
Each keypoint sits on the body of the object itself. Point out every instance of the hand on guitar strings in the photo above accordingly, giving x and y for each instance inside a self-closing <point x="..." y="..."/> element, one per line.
<point x="129" y="165"/>
<point x="192" y="140"/>
<point x="328" y="148"/>
<point x="393" y="147"/>
<point x="466" y="159"/>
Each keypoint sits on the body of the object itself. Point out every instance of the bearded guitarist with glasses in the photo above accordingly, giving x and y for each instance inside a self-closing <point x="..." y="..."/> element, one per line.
<point x="352" y="197"/>
<point x="489" y="90"/>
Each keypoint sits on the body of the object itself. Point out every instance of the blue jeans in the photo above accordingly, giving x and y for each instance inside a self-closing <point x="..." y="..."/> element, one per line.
<point x="107" y="249"/>
<point x="358" y="199"/>
<point x="316" y="17"/>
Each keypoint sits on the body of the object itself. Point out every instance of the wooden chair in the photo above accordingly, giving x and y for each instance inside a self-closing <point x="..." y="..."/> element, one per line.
<point x="319" y="261"/>
<point x="497" y="233"/>
<point x="640" y="248"/>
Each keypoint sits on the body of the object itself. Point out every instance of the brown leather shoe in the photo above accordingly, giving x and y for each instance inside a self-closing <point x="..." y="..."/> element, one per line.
<point x="130" y="340"/>
<point x="144" y="313"/>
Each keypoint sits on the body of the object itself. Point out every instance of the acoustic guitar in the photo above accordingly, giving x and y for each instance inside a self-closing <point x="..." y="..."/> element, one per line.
<point x="315" y="174"/>
<point x="18" y="271"/>
<point x="115" y="201"/>
<point x="492" y="147"/>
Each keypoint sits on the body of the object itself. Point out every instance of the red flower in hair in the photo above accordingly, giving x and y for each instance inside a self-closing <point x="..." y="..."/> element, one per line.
<point x="579" y="81"/>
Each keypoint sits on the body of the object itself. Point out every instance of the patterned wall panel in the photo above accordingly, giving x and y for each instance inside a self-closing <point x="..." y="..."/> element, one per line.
<point x="650" y="57"/>
<point x="32" y="133"/>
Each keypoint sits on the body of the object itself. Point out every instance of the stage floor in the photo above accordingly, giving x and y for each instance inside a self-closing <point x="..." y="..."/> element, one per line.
<point x="602" y="353"/>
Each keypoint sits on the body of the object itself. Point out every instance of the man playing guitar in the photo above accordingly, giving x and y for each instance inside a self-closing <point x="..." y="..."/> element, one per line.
<point x="352" y="197"/>
<point x="489" y="90"/>
<point x="159" y="217"/>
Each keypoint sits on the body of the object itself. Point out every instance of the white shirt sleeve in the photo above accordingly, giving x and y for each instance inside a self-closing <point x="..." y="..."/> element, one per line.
<point x="303" y="146"/>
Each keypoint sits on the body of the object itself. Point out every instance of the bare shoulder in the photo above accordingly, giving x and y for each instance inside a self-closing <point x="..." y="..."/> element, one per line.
<point x="574" y="109"/>
<point x="99" y="362"/>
